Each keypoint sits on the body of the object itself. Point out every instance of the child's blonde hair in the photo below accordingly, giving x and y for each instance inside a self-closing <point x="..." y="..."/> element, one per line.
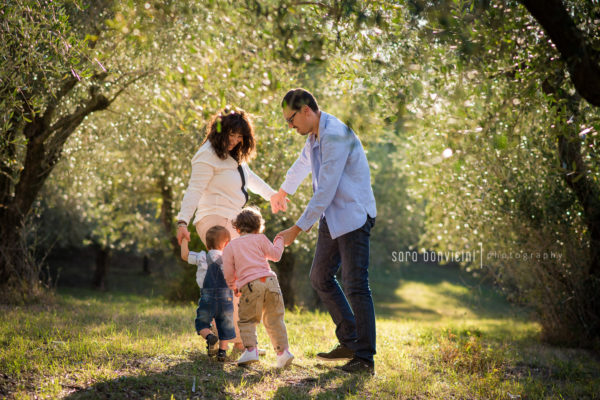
<point x="216" y="236"/>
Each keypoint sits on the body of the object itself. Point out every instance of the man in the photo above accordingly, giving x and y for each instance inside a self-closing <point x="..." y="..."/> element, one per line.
<point x="344" y="204"/>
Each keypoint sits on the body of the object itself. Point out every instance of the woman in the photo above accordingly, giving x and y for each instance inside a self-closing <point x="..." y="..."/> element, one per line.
<point x="217" y="190"/>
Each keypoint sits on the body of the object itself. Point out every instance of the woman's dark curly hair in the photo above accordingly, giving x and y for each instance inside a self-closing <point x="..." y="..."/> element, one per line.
<point x="227" y="121"/>
<point x="249" y="220"/>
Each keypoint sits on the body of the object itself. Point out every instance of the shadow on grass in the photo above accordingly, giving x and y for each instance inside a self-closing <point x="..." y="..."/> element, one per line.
<point x="330" y="384"/>
<point x="203" y="378"/>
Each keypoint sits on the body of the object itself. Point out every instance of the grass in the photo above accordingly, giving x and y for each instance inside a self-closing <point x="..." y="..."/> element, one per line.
<point x="440" y="336"/>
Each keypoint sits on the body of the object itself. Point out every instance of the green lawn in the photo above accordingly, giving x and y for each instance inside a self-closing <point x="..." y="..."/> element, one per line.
<point x="440" y="335"/>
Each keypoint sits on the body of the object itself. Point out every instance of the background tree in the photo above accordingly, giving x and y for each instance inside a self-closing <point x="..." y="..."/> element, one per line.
<point x="478" y="128"/>
<point x="523" y="174"/>
<point x="70" y="67"/>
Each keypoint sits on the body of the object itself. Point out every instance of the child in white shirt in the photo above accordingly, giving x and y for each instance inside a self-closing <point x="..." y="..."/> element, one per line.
<point x="216" y="299"/>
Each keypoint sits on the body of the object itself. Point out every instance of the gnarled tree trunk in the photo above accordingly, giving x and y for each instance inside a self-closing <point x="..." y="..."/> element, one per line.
<point x="103" y="254"/>
<point x="45" y="142"/>
<point x="581" y="58"/>
<point x="587" y="192"/>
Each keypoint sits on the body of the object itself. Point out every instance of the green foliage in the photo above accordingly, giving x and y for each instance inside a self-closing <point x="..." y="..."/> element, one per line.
<point x="40" y="49"/>
<point x="501" y="182"/>
<point x="117" y="164"/>
<point x="462" y="107"/>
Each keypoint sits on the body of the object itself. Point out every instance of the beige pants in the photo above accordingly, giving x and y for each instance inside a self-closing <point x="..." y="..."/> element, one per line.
<point x="263" y="300"/>
<point x="201" y="227"/>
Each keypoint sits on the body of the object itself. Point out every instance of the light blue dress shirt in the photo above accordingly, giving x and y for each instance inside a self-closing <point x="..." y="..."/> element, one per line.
<point x="340" y="176"/>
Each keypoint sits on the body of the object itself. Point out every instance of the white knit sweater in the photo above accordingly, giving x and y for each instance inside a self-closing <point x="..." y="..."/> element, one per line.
<point x="215" y="186"/>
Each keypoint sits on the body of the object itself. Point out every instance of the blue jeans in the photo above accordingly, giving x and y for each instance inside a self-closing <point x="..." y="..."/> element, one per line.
<point x="354" y="321"/>
<point x="217" y="304"/>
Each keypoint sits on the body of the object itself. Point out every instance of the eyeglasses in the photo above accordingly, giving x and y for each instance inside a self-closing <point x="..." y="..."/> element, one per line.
<point x="291" y="119"/>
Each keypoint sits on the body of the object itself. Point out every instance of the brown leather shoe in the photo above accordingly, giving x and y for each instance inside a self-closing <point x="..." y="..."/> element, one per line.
<point x="339" y="352"/>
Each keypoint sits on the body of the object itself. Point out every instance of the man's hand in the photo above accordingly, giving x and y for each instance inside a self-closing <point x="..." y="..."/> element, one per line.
<point x="289" y="235"/>
<point x="279" y="202"/>
<point x="182" y="232"/>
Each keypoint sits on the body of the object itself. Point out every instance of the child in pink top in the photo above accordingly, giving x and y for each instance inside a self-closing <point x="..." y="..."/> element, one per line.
<point x="245" y="266"/>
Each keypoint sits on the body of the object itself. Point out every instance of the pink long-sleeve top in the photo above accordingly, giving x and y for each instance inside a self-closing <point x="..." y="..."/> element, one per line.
<point x="245" y="258"/>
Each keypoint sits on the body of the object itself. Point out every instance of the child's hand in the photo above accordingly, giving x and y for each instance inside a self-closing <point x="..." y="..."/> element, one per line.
<point x="237" y="293"/>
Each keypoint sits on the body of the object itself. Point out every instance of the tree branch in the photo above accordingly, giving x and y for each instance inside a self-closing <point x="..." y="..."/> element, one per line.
<point x="580" y="57"/>
<point x="130" y="82"/>
<point x="96" y="100"/>
<point x="67" y="86"/>
<point x="67" y="125"/>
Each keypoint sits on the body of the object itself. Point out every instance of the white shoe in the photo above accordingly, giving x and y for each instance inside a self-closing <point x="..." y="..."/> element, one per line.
<point x="285" y="359"/>
<point x="261" y="352"/>
<point x="248" y="357"/>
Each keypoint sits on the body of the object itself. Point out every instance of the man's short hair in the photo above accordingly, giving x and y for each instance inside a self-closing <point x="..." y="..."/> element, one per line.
<point x="295" y="99"/>
<point x="215" y="236"/>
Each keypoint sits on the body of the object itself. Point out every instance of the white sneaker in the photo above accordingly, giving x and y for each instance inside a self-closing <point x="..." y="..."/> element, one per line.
<point x="285" y="359"/>
<point x="261" y="352"/>
<point x="248" y="357"/>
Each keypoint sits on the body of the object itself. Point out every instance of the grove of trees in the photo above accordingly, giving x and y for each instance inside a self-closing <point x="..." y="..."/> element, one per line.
<point x="480" y="120"/>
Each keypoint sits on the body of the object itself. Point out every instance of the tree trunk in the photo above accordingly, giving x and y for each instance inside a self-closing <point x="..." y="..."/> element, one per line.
<point x="587" y="192"/>
<point x="146" y="265"/>
<point x="285" y="267"/>
<point x="576" y="175"/>
<point x="102" y="261"/>
<point x="588" y="195"/>
<point x="166" y="214"/>
<point x="18" y="272"/>
<point x="581" y="58"/>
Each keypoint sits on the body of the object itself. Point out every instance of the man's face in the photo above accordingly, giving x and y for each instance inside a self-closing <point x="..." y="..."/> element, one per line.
<point x="298" y="119"/>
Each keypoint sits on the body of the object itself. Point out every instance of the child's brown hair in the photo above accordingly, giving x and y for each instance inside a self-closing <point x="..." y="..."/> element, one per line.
<point x="215" y="236"/>
<point x="249" y="220"/>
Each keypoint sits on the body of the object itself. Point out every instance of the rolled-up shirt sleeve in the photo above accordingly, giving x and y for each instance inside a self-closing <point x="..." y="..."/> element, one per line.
<point x="202" y="173"/>
<point x="199" y="259"/>
<point x="257" y="185"/>
<point x="298" y="171"/>
<point x="335" y="149"/>
<point x="196" y="258"/>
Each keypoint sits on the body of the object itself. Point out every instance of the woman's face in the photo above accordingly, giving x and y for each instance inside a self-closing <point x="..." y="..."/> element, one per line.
<point x="234" y="140"/>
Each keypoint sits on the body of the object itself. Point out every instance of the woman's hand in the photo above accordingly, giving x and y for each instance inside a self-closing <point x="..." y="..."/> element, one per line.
<point x="279" y="201"/>
<point x="182" y="232"/>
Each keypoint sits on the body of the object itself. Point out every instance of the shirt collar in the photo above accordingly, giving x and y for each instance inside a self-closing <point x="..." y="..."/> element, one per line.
<point x="214" y="253"/>
<point x="322" y="124"/>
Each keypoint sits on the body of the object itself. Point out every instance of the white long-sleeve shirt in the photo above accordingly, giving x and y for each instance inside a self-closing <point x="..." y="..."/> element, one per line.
<point x="199" y="259"/>
<point x="215" y="186"/>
